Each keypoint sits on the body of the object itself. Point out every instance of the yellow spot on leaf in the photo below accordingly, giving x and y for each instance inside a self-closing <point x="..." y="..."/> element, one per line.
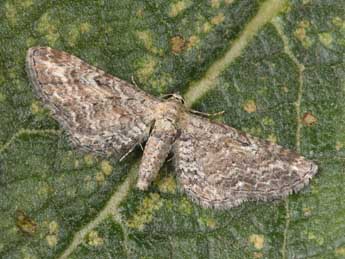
<point x="257" y="240"/>
<point x="267" y="121"/>
<point x="11" y="13"/>
<point x="145" y="212"/>
<point x="337" y="21"/>
<point x="228" y="1"/>
<point x="46" y="27"/>
<point x="215" y="3"/>
<point x="340" y="251"/>
<point x="318" y="239"/>
<point x="53" y="227"/>
<point x="309" y="119"/>
<point x="2" y="97"/>
<point x="258" y="255"/>
<point x="179" y="7"/>
<point x="208" y="222"/>
<point x="326" y="38"/>
<point x="147" y="39"/>
<point x="193" y="41"/>
<point x="147" y="67"/>
<point x="272" y="138"/>
<point x="89" y="159"/>
<point x="339" y="145"/>
<point x="100" y="177"/>
<point x="85" y="27"/>
<point x="36" y="107"/>
<point x="185" y="207"/>
<point x="218" y="19"/>
<point x="206" y="27"/>
<point x="93" y="239"/>
<point x="249" y="106"/>
<point x="177" y="44"/>
<point x="301" y="34"/>
<point x="51" y="240"/>
<point x="106" y="167"/>
<point x="307" y="212"/>
<point x="161" y="83"/>
<point x="167" y="185"/>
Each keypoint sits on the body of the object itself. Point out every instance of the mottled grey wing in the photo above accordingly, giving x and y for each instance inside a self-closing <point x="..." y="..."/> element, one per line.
<point x="100" y="113"/>
<point x="220" y="167"/>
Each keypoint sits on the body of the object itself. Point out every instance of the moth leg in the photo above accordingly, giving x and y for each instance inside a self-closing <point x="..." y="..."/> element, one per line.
<point x="204" y="114"/>
<point x="156" y="151"/>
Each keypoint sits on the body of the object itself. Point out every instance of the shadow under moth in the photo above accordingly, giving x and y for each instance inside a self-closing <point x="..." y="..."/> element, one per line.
<point x="216" y="165"/>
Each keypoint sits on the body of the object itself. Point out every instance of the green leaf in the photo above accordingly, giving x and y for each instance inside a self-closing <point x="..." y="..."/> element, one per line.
<point x="276" y="68"/>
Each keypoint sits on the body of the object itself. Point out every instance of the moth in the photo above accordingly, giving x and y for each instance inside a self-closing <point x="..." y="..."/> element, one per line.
<point x="216" y="165"/>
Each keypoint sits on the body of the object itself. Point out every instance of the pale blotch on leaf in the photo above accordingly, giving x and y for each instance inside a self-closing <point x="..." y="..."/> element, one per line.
<point x="285" y="89"/>
<point x="339" y="145"/>
<point x="258" y="241"/>
<point x="305" y="2"/>
<point x="106" y="167"/>
<point x="340" y="251"/>
<point x="2" y="97"/>
<point x="161" y="83"/>
<point x="301" y="34"/>
<point x="249" y="106"/>
<point x="326" y="39"/>
<point x="306" y="212"/>
<point x="337" y="21"/>
<point x="272" y="138"/>
<point x="267" y="121"/>
<point x="219" y="18"/>
<point x="215" y="3"/>
<point x="147" y="39"/>
<point x="93" y="239"/>
<point x="309" y="119"/>
<point x="11" y="13"/>
<point x="317" y="238"/>
<point x="25" y="3"/>
<point x="228" y="2"/>
<point x="85" y="27"/>
<point x="52" y="240"/>
<point x="208" y="222"/>
<point x="146" y="68"/>
<point x="257" y="255"/>
<point x="36" y="107"/>
<point x="144" y="215"/>
<point x="177" y="44"/>
<point x="100" y="177"/>
<point x="53" y="227"/>
<point x="206" y="27"/>
<point x="193" y="41"/>
<point x="185" y="207"/>
<point x="167" y="185"/>
<point x="76" y="164"/>
<point x="75" y="30"/>
<point x="52" y="237"/>
<point x="46" y="26"/>
<point x="179" y="7"/>
<point x="44" y="189"/>
<point x="89" y="159"/>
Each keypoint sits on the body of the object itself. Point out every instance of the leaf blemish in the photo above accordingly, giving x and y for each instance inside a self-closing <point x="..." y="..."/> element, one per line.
<point x="145" y="212"/>
<point x="257" y="240"/>
<point x="25" y="223"/>
<point x="309" y="119"/>
<point x="93" y="239"/>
